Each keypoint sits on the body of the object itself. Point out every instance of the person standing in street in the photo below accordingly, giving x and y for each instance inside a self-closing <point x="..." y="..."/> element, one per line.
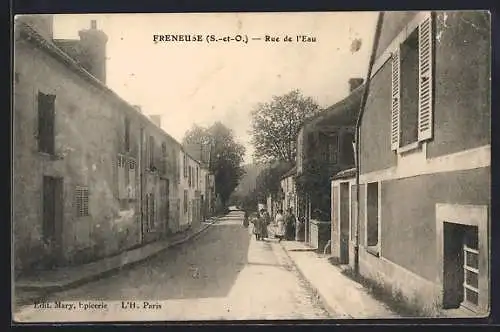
<point x="264" y="221"/>
<point x="290" y="222"/>
<point x="257" y="226"/>
<point x="280" y="221"/>
<point x="245" y="219"/>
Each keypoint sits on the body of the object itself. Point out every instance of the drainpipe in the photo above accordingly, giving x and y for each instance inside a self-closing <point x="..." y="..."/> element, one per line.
<point x="358" y="125"/>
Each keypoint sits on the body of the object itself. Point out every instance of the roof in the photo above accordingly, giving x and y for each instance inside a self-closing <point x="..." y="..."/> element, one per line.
<point x="345" y="111"/>
<point x="345" y="174"/>
<point x="290" y="172"/>
<point x="49" y="47"/>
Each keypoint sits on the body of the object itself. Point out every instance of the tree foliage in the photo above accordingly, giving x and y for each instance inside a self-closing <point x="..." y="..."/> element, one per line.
<point x="269" y="179"/>
<point x="226" y="156"/>
<point x="275" y="125"/>
<point x="268" y="182"/>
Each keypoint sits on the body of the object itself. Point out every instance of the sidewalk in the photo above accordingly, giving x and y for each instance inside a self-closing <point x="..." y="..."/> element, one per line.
<point x="341" y="295"/>
<point x="29" y="288"/>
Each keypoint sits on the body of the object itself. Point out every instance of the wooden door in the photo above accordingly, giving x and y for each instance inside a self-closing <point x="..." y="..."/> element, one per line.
<point x="52" y="218"/>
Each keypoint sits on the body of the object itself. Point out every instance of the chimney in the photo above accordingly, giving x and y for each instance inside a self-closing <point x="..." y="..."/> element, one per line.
<point x="138" y="108"/>
<point x="93" y="51"/>
<point x="156" y="119"/>
<point x="354" y="83"/>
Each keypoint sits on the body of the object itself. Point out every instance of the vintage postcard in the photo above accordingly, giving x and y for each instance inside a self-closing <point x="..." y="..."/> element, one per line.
<point x="251" y="166"/>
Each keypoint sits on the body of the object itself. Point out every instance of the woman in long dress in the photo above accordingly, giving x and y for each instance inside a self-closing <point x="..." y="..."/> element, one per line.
<point x="264" y="221"/>
<point x="280" y="221"/>
<point x="256" y="226"/>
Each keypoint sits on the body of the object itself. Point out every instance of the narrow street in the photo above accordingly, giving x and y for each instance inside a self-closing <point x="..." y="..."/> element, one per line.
<point x="223" y="274"/>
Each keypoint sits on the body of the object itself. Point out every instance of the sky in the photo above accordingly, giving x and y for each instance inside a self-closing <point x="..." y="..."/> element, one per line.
<point x="200" y="83"/>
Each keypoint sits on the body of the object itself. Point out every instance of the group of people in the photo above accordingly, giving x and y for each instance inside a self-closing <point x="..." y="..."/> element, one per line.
<point x="285" y="225"/>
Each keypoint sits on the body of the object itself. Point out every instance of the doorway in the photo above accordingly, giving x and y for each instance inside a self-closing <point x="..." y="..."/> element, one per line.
<point x="52" y="202"/>
<point x="165" y="201"/>
<point x="344" y="223"/>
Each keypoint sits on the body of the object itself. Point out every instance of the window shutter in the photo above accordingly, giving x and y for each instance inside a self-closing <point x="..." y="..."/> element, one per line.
<point x="396" y="105"/>
<point x="131" y="181"/>
<point x="425" y="79"/>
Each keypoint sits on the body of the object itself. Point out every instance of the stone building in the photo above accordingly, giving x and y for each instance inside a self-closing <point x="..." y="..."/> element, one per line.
<point x="425" y="161"/>
<point x="93" y="176"/>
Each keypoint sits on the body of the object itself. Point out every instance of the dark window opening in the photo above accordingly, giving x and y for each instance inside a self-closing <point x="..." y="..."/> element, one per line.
<point x="151" y="152"/>
<point x="164" y="157"/>
<point x="409" y="90"/>
<point x="353" y="211"/>
<point x="46" y="123"/>
<point x="372" y="214"/>
<point x="348" y="148"/>
<point x="127" y="135"/>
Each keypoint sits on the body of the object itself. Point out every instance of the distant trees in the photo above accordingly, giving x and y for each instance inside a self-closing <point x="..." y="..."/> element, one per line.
<point x="226" y="156"/>
<point x="275" y="125"/>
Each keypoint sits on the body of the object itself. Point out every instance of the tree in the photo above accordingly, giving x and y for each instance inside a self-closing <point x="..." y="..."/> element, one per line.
<point x="275" y="125"/>
<point x="269" y="179"/>
<point x="226" y="156"/>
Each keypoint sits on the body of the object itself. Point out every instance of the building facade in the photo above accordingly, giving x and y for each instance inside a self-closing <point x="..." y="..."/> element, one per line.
<point x="325" y="147"/>
<point x="424" y="161"/>
<point x="190" y="191"/>
<point x="93" y="176"/>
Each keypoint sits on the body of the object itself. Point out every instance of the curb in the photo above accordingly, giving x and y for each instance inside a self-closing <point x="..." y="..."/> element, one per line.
<point x="44" y="291"/>
<point x="333" y="310"/>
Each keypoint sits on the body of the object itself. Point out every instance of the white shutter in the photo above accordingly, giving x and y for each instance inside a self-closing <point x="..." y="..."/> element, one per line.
<point x="396" y="103"/>
<point x="425" y="110"/>
<point x="131" y="180"/>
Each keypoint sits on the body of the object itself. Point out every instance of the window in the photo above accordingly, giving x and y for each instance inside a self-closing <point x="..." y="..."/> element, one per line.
<point x="151" y="152"/>
<point x="127" y="135"/>
<point x="82" y="201"/>
<point x="409" y="90"/>
<point x="353" y="212"/>
<point x="185" y="166"/>
<point x="333" y="142"/>
<point x="185" y="201"/>
<point x="348" y="148"/>
<point x="372" y="215"/>
<point x="189" y="176"/>
<point x="46" y="123"/>
<point x="122" y="177"/>
<point x="132" y="169"/>
<point x="164" y="157"/>
<point x="471" y="267"/>
<point x="197" y="177"/>
<point x="412" y="88"/>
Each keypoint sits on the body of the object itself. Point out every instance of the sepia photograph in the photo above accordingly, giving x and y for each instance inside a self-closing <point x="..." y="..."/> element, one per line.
<point x="251" y="166"/>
